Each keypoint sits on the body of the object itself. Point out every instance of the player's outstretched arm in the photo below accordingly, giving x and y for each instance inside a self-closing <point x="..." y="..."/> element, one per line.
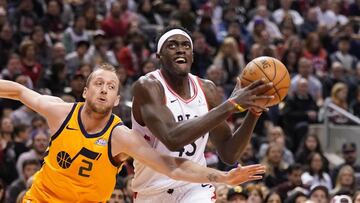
<point x="52" y="108"/>
<point x="128" y="141"/>
<point x="149" y="109"/>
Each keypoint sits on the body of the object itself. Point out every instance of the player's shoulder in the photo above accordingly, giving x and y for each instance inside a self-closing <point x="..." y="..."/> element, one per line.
<point x="208" y="86"/>
<point x="147" y="83"/>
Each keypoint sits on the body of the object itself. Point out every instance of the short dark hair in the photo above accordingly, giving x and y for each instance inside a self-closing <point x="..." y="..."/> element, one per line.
<point x="20" y="128"/>
<point x="30" y="162"/>
<point x="294" y="167"/>
<point x="168" y="28"/>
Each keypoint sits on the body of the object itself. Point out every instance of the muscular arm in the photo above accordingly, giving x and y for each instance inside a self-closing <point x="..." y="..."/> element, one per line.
<point x="52" y="108"/>
<point x="228" y="145"/>
<point x="149" y="109"/>
<point x="129" y="142"/>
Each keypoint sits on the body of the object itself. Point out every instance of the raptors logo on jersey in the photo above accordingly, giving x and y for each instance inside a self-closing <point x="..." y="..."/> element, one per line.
<point x="146" y="180"/>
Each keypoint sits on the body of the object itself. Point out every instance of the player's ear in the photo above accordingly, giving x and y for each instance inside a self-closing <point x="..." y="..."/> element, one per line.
<point x="158" y="56"/>
<point x="84" y="93"/>
<point x="117" y="101"/>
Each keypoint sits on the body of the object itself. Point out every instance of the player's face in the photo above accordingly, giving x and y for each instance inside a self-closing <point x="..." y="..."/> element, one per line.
<point x="102" y="92"/>
<point x="176" y="55"/>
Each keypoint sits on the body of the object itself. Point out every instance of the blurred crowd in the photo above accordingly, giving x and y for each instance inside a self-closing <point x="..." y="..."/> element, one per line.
<point x="51" y="46"/>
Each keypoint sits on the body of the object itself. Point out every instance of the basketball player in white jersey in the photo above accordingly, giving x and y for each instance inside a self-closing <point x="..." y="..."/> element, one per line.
<point x="176" y="112"/>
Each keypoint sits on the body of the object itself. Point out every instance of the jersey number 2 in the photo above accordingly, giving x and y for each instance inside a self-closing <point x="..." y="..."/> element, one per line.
<point x="84" y="169"/>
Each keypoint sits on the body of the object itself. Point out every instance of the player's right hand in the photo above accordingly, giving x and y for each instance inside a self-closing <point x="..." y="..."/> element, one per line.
<point x="246" y="97"/>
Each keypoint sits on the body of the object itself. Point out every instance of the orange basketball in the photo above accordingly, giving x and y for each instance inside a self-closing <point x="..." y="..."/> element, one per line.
<point x="272" y="70"/>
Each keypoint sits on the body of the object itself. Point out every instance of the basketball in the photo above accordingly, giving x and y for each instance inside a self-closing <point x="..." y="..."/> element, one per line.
<point x="272" y="70"/>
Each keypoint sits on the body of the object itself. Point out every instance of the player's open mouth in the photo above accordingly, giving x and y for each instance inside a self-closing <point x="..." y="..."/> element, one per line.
<point x="102" y="99"/>
<point x="180" y="60"/>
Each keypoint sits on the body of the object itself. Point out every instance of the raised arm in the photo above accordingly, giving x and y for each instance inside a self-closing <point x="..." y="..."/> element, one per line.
<point x="128" y="141"/>
<point x="229" y="145"/>
<point x="149" y="109"/>
<point x="52" y="108"/>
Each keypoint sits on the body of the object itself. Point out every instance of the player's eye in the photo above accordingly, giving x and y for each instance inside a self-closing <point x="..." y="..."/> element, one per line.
<point x="172" y="46"/>
<point x="112" y="87"/>
<point x="187" y="46"/>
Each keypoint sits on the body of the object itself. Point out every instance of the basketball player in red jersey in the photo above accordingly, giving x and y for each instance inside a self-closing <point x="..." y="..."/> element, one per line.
<point x="176" y="112"/>
<point x="89" y="143"/>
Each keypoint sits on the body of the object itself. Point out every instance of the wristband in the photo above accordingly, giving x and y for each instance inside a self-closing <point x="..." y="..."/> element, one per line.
<point x="237" y="106"/>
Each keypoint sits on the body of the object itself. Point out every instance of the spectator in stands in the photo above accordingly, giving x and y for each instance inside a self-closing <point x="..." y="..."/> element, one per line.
<point x="297" y="197"/>
<point x="58" y="52"/>
<point x="319" y="194"/>
<point x="316" y="54"/>
<point x="24" y="18"/>
<point x="345" y="181"/>
<point x="294" y="173"/>
<point x="77" y="84"/>
<point x="310" y="144"/>
<point x="134" y="55"/>
<point x="279" y="14"/>
<point x="22" y="115"/>
<point x="202" y="56"/>
<point x="343" y="56"/>
<point x="40" y="141"/>
<point x="255" y="194"/>
<point x="276" y="135"/>
<point x="21" y="137"/>
<point x="114" y="25"/>
<point x="97" y="52"/>
<point x="215" y="74"/>
<point x="75" y="34"/>
<point x="300" y="108"/>
<point x="310" y="24"/>
<point x="77" y="57"/>
<point x="52" y="21"/>
<point x="263" y="14"/>
<point x="12" y="68"/>
<point x="237" y="194"/>
<point x="29" y="168"/>
<point x="185" y="15"/>
<point x="85" y="69"/>
<point x="150" y="22"/>
<point x="7" y="157"/>
<point x="30" y="65"/>
<point x="336" y="75"/>
<point x="349" y="150"/>
<point x="42" y="45"/>
<point x="58" y="72"/>
<point x="338" y="97"/>
<point x="221" y="191"/>
<point x="230" y="60"/>
<point x="287" y="27"/>
<point x="275" y="166"/>
<point x="91" y="17"/>
<point x="7" y="44"/>
<point x="315" y="173"/>
<point x="273" y="197"/>
<point x="305" y="70"/>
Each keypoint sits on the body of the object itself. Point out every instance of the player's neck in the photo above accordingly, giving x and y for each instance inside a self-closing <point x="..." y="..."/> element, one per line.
<point x="180" y="84"/>
<point x="93" y="122"/>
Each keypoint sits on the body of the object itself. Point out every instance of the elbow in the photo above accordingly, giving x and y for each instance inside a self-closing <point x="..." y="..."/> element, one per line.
<point x="172" y="144"/>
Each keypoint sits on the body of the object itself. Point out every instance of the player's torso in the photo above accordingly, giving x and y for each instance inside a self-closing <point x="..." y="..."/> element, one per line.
<point x="182" y="110"/>
<point x="78" y="165"/>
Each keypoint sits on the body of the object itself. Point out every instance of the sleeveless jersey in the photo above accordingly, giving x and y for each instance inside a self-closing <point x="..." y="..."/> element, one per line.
<point x="147" y="180"/>
<point x="78" y="166"/>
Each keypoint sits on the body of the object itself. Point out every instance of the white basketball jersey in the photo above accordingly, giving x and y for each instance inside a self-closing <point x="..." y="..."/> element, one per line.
<point x="147" y="180"/>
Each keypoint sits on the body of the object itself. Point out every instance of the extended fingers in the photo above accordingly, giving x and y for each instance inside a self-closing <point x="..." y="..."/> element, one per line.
<point x="261" y="89"/>
<point x="256" y="83"/>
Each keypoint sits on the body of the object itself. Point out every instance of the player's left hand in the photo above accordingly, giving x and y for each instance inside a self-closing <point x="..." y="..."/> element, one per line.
<point x="243" y="174"/>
